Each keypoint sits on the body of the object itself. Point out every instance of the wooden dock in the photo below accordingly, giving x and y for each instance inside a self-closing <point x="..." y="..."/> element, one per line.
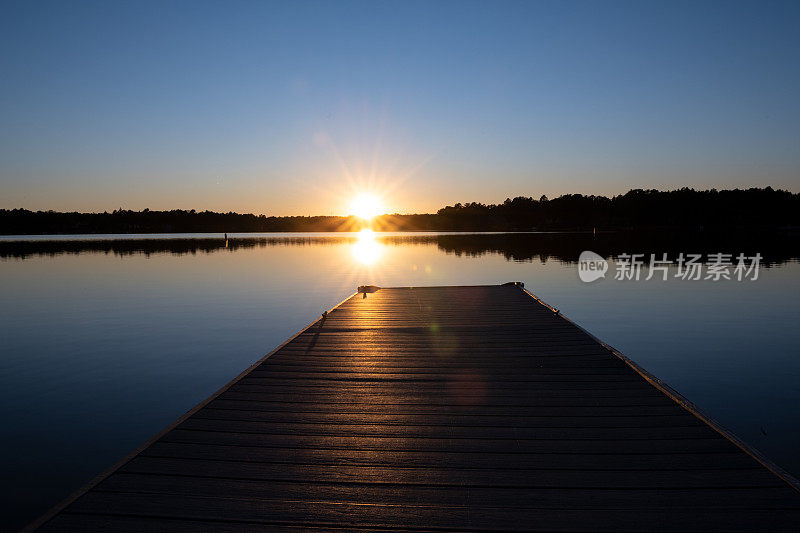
<point x="447" y="408"/>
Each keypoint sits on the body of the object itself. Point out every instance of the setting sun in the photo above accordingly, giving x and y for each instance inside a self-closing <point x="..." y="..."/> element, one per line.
<point x="366" y="206"/>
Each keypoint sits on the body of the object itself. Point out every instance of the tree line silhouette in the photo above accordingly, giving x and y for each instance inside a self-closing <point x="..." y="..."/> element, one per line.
<point x="682" y="208"/>
<point x="637" y="209"/>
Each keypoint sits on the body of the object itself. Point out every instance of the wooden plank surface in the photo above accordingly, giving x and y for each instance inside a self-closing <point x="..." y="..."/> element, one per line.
<point x="450" y="408"/>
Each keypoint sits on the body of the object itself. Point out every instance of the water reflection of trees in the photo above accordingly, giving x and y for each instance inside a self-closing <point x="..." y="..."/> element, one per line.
<point x="775" y="247"/>
<point x="148" y="246"/>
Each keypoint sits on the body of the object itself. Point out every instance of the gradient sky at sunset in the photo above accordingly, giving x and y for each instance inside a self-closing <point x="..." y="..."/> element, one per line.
<point x="291" y="108"/>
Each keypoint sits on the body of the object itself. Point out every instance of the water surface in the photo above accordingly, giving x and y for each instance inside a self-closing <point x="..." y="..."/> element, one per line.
<point x="106" y="340"/>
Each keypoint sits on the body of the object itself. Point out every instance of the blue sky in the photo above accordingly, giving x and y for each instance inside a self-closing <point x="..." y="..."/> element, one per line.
<point x="291" y="108"/>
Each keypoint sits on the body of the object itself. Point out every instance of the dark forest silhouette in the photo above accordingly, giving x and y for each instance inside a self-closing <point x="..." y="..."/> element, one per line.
<point x="683" y="208"/>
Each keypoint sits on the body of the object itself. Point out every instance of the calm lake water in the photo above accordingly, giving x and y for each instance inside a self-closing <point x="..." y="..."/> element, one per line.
<point x="108" y="339"/>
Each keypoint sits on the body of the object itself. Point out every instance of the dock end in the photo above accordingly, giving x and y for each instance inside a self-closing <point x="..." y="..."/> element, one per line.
<point x="368" y="288"/>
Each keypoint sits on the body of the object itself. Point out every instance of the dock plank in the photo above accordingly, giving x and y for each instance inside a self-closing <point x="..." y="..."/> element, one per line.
<point x="449" y="408"/>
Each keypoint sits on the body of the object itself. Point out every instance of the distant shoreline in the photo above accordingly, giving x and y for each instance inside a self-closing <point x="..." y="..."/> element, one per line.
<point x="682" y="209"/>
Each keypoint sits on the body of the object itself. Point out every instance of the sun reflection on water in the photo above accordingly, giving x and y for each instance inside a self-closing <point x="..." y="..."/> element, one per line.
<point x="366" y="250"/>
